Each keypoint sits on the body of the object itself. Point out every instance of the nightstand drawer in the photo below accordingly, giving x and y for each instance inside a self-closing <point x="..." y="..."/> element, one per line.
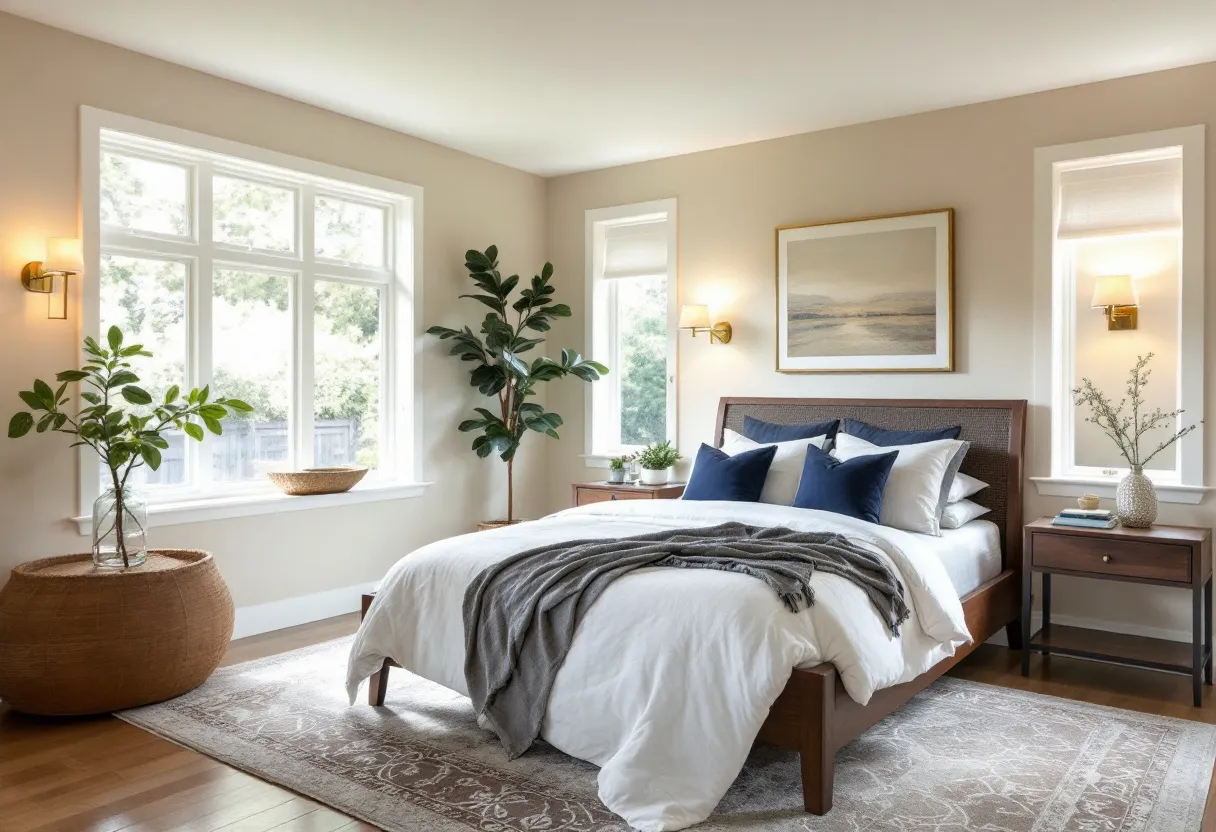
<point x="1131" y="559"/>
<point x="603" y="495"/>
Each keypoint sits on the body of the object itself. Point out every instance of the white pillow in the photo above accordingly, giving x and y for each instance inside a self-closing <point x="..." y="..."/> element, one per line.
<point x="964" y="486"/>
<point x="781" y="484"/>
<point x="919" y="483"/>
<point x="962" y="512"/>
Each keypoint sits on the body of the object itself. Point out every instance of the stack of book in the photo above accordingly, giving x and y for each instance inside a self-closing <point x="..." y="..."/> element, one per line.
<point x="1092" y="518"/>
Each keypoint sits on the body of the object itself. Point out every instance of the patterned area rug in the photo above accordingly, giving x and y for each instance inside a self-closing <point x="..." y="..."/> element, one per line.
<point x="961" y="756"/>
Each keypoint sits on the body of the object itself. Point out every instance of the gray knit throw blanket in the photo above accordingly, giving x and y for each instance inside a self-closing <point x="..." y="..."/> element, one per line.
<point x="520" y="614"/>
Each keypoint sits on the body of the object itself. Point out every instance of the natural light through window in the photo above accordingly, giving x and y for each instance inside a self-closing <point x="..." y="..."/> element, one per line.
<point x="274" y="285"/>
<point x="631" y="286"/>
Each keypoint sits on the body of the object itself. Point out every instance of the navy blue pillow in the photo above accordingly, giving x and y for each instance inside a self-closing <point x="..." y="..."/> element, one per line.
<point x="853" y="487"/>
<point x="885" y="437"/>
<point x="718" y="476"/>
<point x="759" y="431"/>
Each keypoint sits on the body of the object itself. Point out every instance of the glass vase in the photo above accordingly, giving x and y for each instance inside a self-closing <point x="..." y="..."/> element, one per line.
<point x="120" y="529"/>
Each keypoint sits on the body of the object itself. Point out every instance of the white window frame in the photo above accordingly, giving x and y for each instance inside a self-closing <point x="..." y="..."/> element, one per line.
<point x="399" y="473"/>
<point x="600" y="403"/>
<point x="1053" y="429"/>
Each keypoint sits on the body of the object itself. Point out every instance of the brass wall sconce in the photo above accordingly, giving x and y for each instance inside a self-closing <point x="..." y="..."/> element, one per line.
<point x="696" y="318"/>
<point x="1116" y="295"/>
<point x="64" y="258"/>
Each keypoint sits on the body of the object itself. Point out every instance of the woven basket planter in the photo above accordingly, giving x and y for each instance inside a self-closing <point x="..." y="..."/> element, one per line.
<point x="79" y="640"/>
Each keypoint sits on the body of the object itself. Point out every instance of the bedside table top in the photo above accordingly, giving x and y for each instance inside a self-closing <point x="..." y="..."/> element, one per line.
<point x="628" y="486"/>
<point x="1156" y="533"/>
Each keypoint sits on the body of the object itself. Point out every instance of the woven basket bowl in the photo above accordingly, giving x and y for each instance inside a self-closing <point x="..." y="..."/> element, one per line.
<point x="318" y="480"/>
<point x="75" y="639"/>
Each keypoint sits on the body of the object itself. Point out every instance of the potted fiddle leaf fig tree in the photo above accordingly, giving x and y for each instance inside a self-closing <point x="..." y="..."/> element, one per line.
<point x="499" y="370"/>
<point x="122" y="424"/>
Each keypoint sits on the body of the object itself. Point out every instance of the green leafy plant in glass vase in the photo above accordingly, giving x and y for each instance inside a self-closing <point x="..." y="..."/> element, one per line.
<point x="656" y="460"/>
<point x="499" y="370"/>
<point x="120" y="422"/>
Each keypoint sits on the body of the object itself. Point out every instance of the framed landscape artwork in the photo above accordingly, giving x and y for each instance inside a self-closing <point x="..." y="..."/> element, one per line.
<point x="867" y="295"/>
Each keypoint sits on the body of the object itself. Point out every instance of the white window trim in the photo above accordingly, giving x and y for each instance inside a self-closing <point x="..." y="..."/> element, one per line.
<point x="403" y="322"/>
<point x="1052" y="425"/>
<point x="594" y="250"/>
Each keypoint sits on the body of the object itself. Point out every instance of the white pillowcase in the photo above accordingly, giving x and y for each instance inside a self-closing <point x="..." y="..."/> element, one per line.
<point x="919" y="483"/>
<point x="964" y="486"/>
<point x="781" y="484"/>
<point x="962" y="512"/>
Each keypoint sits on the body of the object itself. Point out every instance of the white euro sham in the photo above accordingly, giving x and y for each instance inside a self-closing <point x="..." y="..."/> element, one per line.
<point x="919" y="484"/>
<point x="781" y="484"/>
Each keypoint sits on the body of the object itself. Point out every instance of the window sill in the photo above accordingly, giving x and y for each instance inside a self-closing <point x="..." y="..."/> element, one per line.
<point x="1076" y="486"/>
<point x="265" y="502"/>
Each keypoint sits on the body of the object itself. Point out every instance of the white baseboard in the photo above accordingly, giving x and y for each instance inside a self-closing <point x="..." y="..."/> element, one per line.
<point x="1036" y="621"/>
<point x="276" y="615"/>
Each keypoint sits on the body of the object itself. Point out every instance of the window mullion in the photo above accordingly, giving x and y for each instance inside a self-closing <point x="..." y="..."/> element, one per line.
<point x="198" y="459"/>
<point x="301" y="420"/>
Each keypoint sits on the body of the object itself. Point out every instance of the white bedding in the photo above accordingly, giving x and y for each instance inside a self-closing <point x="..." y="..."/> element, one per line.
<point x="671" y="671"/>
<point x="970" y="553"/>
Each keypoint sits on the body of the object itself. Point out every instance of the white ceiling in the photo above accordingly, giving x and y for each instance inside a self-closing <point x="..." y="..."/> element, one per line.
<point x="555" y="86"/>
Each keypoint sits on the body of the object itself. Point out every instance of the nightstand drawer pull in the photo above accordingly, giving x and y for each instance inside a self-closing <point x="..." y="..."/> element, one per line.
<point x="1106" y="558"/>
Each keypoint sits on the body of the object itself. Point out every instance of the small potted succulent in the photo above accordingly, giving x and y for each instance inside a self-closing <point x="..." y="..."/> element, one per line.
<point x="656" y="460"/>
<point x="618" y="468"/>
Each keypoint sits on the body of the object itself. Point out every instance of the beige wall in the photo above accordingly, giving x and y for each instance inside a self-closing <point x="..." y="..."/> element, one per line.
<point x="1105" y="357"/>
<point x="45" y="75"/>
<point x="977" y="159"/>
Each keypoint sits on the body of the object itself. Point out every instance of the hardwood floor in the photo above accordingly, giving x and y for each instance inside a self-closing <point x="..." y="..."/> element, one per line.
<point x="103" y="775"/>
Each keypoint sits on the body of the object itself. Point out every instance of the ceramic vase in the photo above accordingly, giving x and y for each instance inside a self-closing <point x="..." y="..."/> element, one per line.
<point x="1136" y="500"/>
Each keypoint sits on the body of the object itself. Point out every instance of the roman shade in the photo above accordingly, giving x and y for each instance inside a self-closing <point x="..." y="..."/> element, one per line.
<point x="1121" y="199"/>
<point x="636" y="249"/>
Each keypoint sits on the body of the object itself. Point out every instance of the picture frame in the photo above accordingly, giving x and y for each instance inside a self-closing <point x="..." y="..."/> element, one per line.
<point x="867" y="295"/>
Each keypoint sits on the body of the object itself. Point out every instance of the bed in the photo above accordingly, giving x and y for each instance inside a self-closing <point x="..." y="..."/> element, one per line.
<point x="817" y="710"/>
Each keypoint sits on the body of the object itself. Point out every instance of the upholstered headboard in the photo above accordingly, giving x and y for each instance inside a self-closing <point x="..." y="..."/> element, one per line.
<point x="996" y="430"/>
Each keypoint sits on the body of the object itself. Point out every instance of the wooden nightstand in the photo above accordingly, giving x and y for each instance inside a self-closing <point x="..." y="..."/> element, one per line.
<point x="1173" y="556"/>
<point x="600" y="492"/>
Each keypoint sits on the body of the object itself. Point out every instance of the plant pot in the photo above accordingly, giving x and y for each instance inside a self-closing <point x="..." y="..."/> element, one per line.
<point x="75" y="639"/>
<point x="1136" y="500"/>
<point x="616" y="475"/>
<point x="651" y="476"/>
<point x="487" y="525"/>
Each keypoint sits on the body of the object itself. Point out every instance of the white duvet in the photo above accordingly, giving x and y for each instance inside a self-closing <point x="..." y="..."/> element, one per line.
<point x="672" y="671"/>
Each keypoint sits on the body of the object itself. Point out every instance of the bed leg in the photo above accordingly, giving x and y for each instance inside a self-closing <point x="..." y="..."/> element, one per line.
<point x="377" y="683"/>
<point x="817" y="755"/>
<point x="1013" y="634"/>
<point x="377" y="686"/>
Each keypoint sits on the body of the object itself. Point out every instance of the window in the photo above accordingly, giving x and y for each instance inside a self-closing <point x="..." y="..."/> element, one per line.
<point x="1125" y="212"/>
<point x="279" y="281"/>
<point x="631" y="269"/>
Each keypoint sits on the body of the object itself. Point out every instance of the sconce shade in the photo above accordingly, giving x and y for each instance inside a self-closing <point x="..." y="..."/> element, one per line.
<point x="1114" y="290"/>
<point x="695" y="316"/>
<point x="63" y="254"/>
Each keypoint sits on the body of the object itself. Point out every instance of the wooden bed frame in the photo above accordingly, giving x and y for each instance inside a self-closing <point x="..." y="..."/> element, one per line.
<point x="814" y="715"/>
